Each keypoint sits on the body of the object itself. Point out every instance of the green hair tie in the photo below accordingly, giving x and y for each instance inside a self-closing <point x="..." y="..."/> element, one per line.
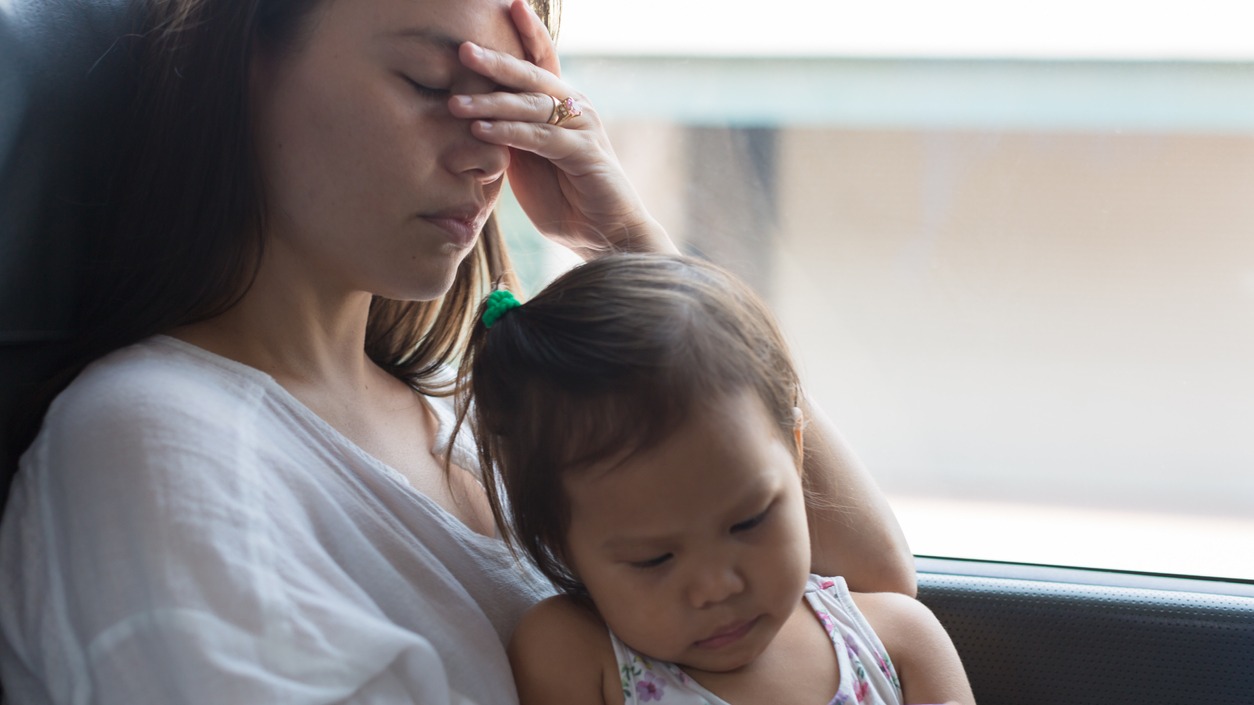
<point x="499" y="302"/>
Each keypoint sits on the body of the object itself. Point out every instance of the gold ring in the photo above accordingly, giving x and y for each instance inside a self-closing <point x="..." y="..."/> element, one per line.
<point x="563" y="110"/>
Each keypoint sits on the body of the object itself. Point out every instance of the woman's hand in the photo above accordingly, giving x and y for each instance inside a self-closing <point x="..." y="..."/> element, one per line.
<point x="566" y="176"/>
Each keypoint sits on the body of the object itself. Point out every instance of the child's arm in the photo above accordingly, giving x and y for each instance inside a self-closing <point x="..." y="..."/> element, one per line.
<point x="922" y="653"/>
<point x="561" y="653"/>
<point x="855" y="535"/>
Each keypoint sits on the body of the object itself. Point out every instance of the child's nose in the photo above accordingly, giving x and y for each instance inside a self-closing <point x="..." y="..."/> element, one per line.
<point x="714" y="584"/>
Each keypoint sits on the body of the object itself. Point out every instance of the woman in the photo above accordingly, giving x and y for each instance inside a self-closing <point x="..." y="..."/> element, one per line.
<point x="243" y="498"/>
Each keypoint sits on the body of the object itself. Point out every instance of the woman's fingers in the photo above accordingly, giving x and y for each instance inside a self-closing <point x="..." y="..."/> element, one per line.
<point x="535" y="37"/>
<point x="562" y="168"/>
<point x="555" y="144"/>
<point x="508" y="71"/>
<point x="532" y="88"/>
<point x="540" y="114"/>
<point x="522" y="107"/>
<point x="531" y="94"/>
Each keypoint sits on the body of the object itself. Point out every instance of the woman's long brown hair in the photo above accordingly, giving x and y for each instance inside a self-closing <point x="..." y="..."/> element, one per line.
<point x="182" y="231"/>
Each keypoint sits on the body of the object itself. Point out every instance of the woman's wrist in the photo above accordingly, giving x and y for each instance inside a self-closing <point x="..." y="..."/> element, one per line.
<point x="648" y="236"/>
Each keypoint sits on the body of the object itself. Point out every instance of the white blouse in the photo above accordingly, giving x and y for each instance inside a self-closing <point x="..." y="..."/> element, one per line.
<point x="183" y="530"/>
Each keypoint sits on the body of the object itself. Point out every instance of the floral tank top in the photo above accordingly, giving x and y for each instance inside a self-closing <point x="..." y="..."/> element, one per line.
<point x="867" y="676"/>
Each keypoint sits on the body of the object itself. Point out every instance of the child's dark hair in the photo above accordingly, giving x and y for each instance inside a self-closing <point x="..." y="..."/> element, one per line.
<point x="606" y="361"/>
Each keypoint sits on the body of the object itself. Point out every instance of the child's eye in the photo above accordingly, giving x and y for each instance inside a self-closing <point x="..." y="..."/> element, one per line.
<point x="652" y="562"/>
<point x="426" y="91"/>
<point x="752" y="523"/>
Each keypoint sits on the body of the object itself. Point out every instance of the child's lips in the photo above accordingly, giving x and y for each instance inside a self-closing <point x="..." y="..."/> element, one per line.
<point x="727" y="635"/>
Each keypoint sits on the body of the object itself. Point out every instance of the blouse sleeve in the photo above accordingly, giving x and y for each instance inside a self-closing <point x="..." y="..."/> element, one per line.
<point x="146" y="559"/>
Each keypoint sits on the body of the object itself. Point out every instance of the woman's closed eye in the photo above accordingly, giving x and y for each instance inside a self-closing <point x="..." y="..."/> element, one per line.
<point x="426" y="91"/>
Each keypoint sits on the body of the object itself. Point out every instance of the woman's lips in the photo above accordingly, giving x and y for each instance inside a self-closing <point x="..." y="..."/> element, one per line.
<point x="462" y="231"/>
<point x="727" y="635"/>
<point x="462" y="222"/>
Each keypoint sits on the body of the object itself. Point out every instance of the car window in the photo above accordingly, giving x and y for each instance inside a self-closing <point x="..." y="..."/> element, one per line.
<point x="1012" y="244"/>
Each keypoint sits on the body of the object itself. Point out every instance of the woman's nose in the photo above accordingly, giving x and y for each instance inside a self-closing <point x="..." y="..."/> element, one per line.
<point x="483" y="161"/>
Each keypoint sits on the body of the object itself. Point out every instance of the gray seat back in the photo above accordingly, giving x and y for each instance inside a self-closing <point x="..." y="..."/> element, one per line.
<point x="63" y="87"/>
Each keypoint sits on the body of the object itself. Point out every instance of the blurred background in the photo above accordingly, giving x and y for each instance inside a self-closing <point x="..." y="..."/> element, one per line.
<point x="1012" y="244"/>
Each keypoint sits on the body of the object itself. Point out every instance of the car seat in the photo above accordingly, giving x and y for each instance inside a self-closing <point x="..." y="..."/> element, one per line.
<point x="62" y="88"/>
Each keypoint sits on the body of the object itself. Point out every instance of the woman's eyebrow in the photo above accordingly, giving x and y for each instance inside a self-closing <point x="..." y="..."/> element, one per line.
<point x="428" y="36"/>
<point x="435" y="37"/>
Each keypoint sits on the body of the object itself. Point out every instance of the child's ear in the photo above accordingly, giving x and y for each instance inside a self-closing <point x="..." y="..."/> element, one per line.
<point x="797" y="426"/>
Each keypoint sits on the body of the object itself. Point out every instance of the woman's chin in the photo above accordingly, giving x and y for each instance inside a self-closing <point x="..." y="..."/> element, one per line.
<point x="426" y="283"/>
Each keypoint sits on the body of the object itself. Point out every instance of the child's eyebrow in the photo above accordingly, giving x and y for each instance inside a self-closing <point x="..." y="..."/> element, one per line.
<point x="757" y="497"/>
<point x="620" y="543"/>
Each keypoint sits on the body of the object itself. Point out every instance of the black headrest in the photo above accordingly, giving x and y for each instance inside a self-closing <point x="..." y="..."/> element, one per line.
<point x="63" y="87"/>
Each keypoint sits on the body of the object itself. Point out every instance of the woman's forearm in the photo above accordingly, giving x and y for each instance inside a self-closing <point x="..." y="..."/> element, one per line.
<point x="853" y="532"/>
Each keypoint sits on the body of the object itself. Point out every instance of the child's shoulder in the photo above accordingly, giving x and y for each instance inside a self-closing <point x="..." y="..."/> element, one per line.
<point x="562" y="615"/>
<point x="561" y="652"/>
<point x="887" y="613"/>
<point x="893" y="615"/>
<point x="921" y="651"/>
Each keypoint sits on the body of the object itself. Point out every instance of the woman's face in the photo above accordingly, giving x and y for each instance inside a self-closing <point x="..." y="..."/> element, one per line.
<point x="370" y="184"/>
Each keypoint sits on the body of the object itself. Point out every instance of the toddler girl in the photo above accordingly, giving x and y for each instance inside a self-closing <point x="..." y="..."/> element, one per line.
<point x="640" y="429"/>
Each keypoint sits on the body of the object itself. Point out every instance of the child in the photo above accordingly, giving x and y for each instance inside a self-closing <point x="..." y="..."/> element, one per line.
<point x="641" y="417"/>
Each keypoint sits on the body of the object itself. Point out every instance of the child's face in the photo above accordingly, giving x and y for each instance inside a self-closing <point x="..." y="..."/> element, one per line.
<point x="696" y="551"/>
